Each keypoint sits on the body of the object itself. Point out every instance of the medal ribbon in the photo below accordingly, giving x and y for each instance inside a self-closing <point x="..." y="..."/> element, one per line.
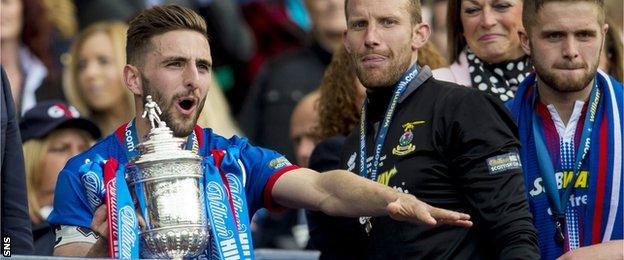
<point x="399" y="89"/>
<point x="559" y="203"/>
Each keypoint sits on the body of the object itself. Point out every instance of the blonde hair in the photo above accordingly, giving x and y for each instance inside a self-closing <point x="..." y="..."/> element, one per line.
<point x="34" y="150"/>
<point x="116" y="31"/>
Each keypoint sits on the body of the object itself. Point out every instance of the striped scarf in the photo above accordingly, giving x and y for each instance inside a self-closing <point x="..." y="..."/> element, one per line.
<point x="600" y="218"/>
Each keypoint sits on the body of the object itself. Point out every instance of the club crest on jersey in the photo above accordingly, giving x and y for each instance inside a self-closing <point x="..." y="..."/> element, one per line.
<point x="405" y="145"/>
<point x="279" y="162"/>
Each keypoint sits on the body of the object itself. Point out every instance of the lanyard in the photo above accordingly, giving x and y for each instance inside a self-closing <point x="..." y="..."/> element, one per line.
<point x="131" y="141"/>
<point x="546" y="167"/>
<point x="384" y="126"/>
<point x="559" y="203"/>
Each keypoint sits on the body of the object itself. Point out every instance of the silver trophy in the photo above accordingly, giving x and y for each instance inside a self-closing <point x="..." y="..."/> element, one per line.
<point x="166" y="185"/>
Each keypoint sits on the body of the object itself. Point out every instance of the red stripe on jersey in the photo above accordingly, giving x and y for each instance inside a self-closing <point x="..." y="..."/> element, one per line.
<point x="218" y="158"/>
<point x="268" y="189"/>
<point x="199" y="134"/>
<point x="120" y="132"/>
<point x="600" y="185"/>
<point x="551" y="136"/>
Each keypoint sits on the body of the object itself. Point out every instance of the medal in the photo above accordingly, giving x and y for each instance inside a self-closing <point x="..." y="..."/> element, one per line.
<point x="367" y="224"/>
<point x="559" y="237"/>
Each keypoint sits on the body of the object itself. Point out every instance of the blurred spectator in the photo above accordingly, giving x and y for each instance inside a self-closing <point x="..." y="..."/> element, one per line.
<point x="92" y="11"/>
<point x="284" y="80"/>
<point x="611" y="60"/>
<point x="429" y="55"/>
<point x="52" y="132"/>
<point x="216" y="113"/>
<point x="93" y="75"/>
<point x="341" y="96"/>
<point x="273" y="30"/>
<point x="65" y="27"/>
<point x="484" y="47"/>
<point x="303" y="121"/>
<point x="280" y="85"/>
<point x="232" y="46"/>
<point x="63" y="16"/>
<point x="340" y="101"/>
<point x="15" y="224"/>
<point x="615" y="12"/>
<point x="438" y="25"/>
<point x="25" y="49"/>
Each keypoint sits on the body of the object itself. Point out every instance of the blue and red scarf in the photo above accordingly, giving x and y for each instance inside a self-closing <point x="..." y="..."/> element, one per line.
<point x="226" y="204"/>
<point x="601" y="217"/>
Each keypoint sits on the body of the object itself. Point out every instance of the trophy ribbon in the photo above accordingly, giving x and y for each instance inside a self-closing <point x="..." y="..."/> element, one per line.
<point x="123" y="233"/>
<point x="225" y="242"/>
<point x="231" y="167"/>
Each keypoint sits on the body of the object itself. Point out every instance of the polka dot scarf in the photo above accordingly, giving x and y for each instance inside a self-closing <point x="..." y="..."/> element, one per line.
<point x="501" y="79"/>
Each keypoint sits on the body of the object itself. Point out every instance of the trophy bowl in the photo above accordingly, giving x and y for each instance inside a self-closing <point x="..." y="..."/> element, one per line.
<point x="166" y="184"/>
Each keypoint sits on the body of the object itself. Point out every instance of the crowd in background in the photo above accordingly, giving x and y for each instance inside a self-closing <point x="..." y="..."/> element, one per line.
<point x="281" y="78"/>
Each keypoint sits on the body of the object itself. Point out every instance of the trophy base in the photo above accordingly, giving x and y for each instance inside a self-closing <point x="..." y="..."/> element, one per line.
<point x="179" y="241"/>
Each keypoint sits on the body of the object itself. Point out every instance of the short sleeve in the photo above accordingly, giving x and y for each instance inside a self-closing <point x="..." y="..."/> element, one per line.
<point x="263" y="168"/>
<point x="70" y="203"/>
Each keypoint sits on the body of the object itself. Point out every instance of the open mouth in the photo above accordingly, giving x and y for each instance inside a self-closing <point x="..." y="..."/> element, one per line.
<point x="186" y="105"/>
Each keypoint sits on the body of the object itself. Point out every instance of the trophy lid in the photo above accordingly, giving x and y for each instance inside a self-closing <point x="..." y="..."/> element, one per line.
<point x="160" y="143"/>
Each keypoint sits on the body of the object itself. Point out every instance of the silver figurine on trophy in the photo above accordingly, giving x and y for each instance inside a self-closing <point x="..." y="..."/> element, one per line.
<point x="166" y="185"/>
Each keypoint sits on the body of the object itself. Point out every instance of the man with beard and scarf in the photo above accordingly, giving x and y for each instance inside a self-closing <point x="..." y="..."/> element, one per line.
<point x="569" y="116"/>
<point x="168" y="58"/>
<point x="448" y="145"/>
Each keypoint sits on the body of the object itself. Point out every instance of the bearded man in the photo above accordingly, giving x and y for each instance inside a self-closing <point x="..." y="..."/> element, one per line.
<point x="569" y="116"/>
<point x="448" y="145"/>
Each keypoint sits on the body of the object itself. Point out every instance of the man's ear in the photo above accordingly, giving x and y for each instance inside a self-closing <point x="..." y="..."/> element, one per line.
<point x="132" y="79"/>
<point x="420" y="35"/>
<point x="605" y="30"/>
<point x="524" y="41"/>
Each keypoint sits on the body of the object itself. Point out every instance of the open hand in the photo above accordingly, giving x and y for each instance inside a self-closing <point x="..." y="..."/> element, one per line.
<point x="409" y="208"/>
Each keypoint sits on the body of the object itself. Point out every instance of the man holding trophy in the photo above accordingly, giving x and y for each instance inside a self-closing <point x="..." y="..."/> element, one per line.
<point x="190" y="191"/>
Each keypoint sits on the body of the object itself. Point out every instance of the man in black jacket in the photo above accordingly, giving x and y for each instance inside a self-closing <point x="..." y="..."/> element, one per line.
<point x="451" y="146"/>
<point x="15" y="221"/>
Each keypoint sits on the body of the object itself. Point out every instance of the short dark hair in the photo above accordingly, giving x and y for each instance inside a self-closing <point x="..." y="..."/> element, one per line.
<point x="414" y="10"/>
<point x="155" y="21"/>
<point x="531" y="8"/>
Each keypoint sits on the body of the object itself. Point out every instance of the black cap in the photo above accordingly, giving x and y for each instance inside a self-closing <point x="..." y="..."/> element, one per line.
<point x="48" y="116"/>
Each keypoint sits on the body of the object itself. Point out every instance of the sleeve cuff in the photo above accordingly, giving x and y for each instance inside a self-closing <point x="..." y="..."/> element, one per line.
<point x="269" y="204"/>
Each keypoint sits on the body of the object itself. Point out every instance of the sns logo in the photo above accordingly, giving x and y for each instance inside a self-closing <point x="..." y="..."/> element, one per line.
<point x="6" y="246"/>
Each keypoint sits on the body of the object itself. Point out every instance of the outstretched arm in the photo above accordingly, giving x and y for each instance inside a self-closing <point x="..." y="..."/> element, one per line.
<point x="341" y="193"/>
<point x="608" y="250"/>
